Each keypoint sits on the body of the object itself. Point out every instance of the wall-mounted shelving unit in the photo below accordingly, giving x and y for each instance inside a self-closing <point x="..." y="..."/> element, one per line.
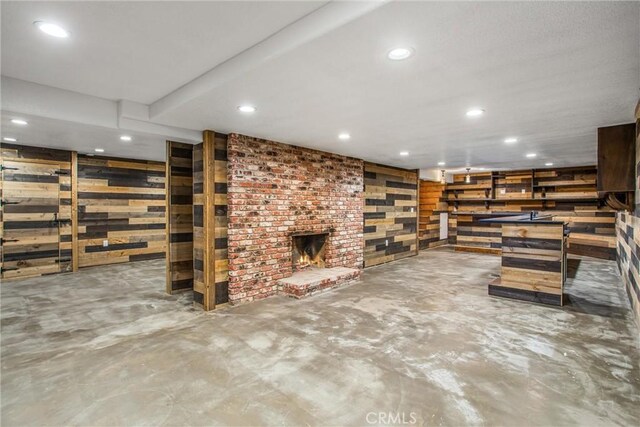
<point x="532" y="185"/>
<point x="568" y="194"/>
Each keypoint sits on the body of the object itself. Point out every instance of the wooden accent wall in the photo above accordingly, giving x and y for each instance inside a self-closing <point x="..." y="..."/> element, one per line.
<point x="121" y="201"/>
<point x="36" y="214"/>
<point x="210" y="257"/>
<point x="179" y="208"/>
<point x="566" y="183"/>
<point x="513" y="185"/>
<point x="568" y="194"/>
<point x="390" y="213"/>
<point x="479" y="188"/>
<point x="431" y="206"/>
<point x="473" y="235"/>
<point x="628" y="254"/>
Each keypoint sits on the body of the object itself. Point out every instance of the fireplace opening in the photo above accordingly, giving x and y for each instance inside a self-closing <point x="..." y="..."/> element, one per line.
<point x="308" y="251"/>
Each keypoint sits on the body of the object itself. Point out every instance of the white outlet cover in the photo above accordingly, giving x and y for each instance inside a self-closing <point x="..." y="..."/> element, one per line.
<point x="105" y="243"/>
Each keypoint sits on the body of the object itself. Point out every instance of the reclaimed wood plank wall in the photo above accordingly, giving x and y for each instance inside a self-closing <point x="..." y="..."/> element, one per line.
<point x="122" y="202"/>
<point x="472" y="234"/>
<point x="431" y="206"/>
<point x="179" y="211"/>
<point x="628" y="239"/>
<point x="513" y="185"/>
<point x="628" y="254"/>
<point x="566" y="193"/>
<point x="390" y="213"/>
<point x="210" y="256"/>
<point x="36" y="214"/>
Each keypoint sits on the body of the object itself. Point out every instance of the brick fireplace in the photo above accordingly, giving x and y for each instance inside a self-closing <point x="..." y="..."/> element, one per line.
<point x="277" y="192"/>
<point x="308" y="251"/>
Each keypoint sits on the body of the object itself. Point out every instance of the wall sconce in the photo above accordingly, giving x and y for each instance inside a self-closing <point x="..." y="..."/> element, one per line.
<point x="443" y="179"/>
<point x="467" y="179"/>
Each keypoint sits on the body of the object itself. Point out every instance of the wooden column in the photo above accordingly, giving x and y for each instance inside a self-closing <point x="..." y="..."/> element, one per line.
<point x="210" y="257"/>
<point x="417" y="211"/>
<point x="167" y="209"/>
<point x="74" y="211"/>
<point x="208" y="217"/>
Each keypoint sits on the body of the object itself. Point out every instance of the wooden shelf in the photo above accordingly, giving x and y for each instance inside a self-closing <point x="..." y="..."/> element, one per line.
<point x="462" y="187"/>
<point x="564" y="184"/>
<point x="529" y="199"/>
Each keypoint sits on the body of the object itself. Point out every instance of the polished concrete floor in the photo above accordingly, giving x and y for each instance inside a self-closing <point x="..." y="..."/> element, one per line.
<point x="415" y="340"/>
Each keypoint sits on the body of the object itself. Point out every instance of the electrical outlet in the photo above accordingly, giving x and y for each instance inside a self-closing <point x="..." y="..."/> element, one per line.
<point x="411" y="209"/>
<point x="386" y="242"/>
<point x="503" y="191"/>
<point x="523" y="191"/>
<point x="105" y="243"/>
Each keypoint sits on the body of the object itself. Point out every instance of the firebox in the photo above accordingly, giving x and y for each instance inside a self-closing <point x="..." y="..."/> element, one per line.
<point x="308" y="251"/>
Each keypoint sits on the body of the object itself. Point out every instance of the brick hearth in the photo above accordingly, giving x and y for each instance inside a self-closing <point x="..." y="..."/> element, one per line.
<point x="305" y="283"/>
<point x="276" y="190"/>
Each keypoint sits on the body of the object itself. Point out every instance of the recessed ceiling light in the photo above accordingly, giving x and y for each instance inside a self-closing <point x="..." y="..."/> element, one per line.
<point x="531" y="155"/>
<point x="247" y="108"/>
<point x="99" y="150"/>
<point x="511" y="140"/>
<point x="344" y="136"/>
<point x="399" y="53"/>
<point x="9" y="139"/>
<point x="125" y="138"/>
<point x="52" y="29"/>
<point x="19" y="122"/>
<point x="441" y="163"/>
<point x="475" y="112"/>
<point x="548" y="164"/>
<point x="404" y="153"/>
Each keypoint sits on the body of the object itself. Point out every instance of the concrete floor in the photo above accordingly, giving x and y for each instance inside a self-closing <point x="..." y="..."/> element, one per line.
<point x="417" y="338"/>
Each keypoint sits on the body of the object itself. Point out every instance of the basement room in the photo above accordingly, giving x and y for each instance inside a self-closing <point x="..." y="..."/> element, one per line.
<point x="320" y="213"/>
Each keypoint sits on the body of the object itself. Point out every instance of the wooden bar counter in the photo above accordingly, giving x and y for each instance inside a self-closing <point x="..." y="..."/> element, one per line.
<point x="534" y="259"/>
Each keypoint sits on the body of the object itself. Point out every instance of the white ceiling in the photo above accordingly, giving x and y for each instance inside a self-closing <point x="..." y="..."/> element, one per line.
<point x="549" y="73"/>
<point x="73" y="136"/>
<point x="135" y="50"/>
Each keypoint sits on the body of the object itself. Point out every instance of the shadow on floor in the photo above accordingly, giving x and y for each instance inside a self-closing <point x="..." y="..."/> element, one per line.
<point x="581" y="305"/>
<point x="572" y="267"/>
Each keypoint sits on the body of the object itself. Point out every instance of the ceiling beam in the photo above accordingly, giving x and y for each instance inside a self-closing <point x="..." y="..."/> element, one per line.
<point x="321" y="21"/>
<point x="20" y="96"/>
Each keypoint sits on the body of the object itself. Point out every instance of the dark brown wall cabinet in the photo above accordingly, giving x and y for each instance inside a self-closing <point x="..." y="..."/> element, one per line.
<point x="616" y="158"/>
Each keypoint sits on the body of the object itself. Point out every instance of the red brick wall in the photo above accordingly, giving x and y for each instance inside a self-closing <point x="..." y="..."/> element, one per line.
<point x="275" y="190"/>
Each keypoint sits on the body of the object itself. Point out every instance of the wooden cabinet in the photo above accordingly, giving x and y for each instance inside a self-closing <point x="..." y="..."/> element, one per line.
<point x="616" y="158"/>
